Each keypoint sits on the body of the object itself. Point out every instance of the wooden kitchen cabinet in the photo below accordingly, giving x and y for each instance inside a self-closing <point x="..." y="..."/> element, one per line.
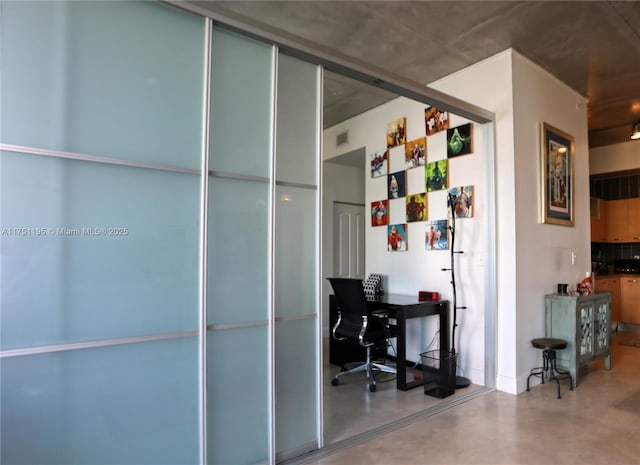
<point x="617" y="221"/>
<point x="633" y="216"/>
<point x="611" y="284"/>
<point x="598" y="220"/>
<point x="630" y="299"/>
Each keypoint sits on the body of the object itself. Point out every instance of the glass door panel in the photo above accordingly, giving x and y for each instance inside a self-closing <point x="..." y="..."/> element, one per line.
<point x="296" y="386"/>
<point x="238" y="258"/>
<point x="237" y="396"/>
<point x="104" y="79"/>
<point x="124" y="404"/>
<point x="296" y="251"/>
<point x="241" y="104"/>
<point x="239" y="364"/>
<point x="296" y="257"/>
<point x="99" y="262"/>
<point x="97" y="251"/>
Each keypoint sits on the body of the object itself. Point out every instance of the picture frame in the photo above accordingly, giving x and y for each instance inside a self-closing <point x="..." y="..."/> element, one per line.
<point x="380" y="213"/>
<point x="397" y="132"/>
<point x="460" y="140"/>
<point x="436" y="175"/>
<point x="435" y="120"/>
<point x="462" y="202"/>
<point x="379" y="163"/>
<point x="396" y="185"/>
<point x="557" y="168"/>
<point x="397" y="237"/>
<point x="416" y="207"/>
<point x="415" y="153"/>
<point x="436" y="235"/>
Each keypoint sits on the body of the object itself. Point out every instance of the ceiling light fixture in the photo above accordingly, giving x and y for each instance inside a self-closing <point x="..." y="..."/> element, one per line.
<point x="635" y="130"/>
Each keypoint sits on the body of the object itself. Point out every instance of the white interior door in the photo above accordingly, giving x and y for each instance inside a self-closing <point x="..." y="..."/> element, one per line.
<point x="348" y="240"/>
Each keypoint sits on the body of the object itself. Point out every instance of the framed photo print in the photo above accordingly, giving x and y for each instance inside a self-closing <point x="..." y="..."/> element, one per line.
<point x="416" y="207"/>
<point x="397" y="238"/>
<point x="461" y="201"/>
<point x="415" y="153"/>
<point x="396" y="184"/>
<point x="435" y="120"/>
<point x="460" y="140"/>
<point x="379" y="163"/>
<point x="397" y="132"/>
<point x="436" y="175"/>
<point x="557" y="176"/>
<point x="436" y="235"/>
<point x="380" y="213"/>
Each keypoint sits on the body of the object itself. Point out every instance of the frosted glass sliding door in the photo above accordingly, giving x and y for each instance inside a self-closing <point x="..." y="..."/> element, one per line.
<point x="239" y="258"/>
<point x="100" y="208"/>
<point x="297" y="256"/>
<point x="102" y="251"/>
<point x="262" y="253"/>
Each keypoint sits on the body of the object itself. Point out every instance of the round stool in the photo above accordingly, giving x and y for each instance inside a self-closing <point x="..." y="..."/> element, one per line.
<point x="549" y="369"/>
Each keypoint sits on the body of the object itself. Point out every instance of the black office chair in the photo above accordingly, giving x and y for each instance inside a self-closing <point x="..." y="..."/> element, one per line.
<point x="357" y="324"/>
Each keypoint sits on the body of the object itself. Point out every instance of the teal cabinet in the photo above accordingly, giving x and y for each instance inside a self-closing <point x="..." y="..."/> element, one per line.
<point x="585" y="323"/>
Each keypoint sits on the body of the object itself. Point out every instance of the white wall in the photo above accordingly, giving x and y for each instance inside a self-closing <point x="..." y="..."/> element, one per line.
<point x="544" y="251"/>
<point x="532" y="257"/>
<point x="616" y="157"/>
<point x="488" y="84"/>
<point x="419" y="269"/>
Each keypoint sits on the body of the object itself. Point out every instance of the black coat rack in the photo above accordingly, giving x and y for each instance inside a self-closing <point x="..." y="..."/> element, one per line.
<point x="461" y="381"/>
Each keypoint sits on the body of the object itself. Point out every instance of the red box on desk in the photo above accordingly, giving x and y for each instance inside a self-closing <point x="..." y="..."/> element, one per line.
<point x="428" y="295"/>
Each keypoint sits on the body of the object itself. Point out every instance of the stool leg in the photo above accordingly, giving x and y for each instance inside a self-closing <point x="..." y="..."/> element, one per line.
<point x="553" y="369"/>
<point x="539" y="371"/>
<point x="545" y="364"/>
<point x="563" y="372"/>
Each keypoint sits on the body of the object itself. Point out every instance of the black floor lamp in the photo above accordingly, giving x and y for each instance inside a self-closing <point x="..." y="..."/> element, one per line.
<point x="461" y="381"/>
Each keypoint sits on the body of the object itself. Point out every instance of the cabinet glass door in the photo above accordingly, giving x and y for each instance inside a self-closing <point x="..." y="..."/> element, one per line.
<point x="585" y="331"/>
<point x="602" y="330"/>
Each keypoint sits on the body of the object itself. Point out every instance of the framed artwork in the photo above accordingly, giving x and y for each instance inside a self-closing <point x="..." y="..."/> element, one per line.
<point x="415" y="153"/>
<point x="557" y="176"/>
<point x="379" y="163"/>
<point x="460" y="140"/>
<point x="416" y="207"/>
<point x="380" y="213"/>
<point x="396" y="185"/>
<point x="436" y="175"/>
<point x="461" y="199"/>
<point x="397" y="238"/>
<point x="436" y="235"/>
<point x="397" y="132"/>
<point x="435" y="120"/>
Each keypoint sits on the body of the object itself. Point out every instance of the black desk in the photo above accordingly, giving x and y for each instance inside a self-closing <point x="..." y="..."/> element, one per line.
<point x="401" y="308"/>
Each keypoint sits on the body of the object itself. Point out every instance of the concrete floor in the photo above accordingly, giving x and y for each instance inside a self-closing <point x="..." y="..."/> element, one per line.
<point x="350" y="409"/>
<point x="597" y="423"/>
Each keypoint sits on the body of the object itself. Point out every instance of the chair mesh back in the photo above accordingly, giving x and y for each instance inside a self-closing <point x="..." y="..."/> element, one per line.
<point x="350" y="295"/>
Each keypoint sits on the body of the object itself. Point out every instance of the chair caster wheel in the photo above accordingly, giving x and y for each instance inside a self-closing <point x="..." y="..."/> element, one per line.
<point x="372" y="388"/>
<point x="334" y="382"/>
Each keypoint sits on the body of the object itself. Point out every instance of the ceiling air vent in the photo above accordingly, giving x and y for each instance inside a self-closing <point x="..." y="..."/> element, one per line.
<point x="342" y="138"/>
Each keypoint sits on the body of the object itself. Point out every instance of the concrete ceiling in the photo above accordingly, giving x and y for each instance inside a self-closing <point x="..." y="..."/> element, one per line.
<point x="592" y="46"/>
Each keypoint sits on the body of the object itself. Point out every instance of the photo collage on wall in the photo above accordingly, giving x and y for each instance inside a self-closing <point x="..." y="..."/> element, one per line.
<point x="459" y="142"/>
